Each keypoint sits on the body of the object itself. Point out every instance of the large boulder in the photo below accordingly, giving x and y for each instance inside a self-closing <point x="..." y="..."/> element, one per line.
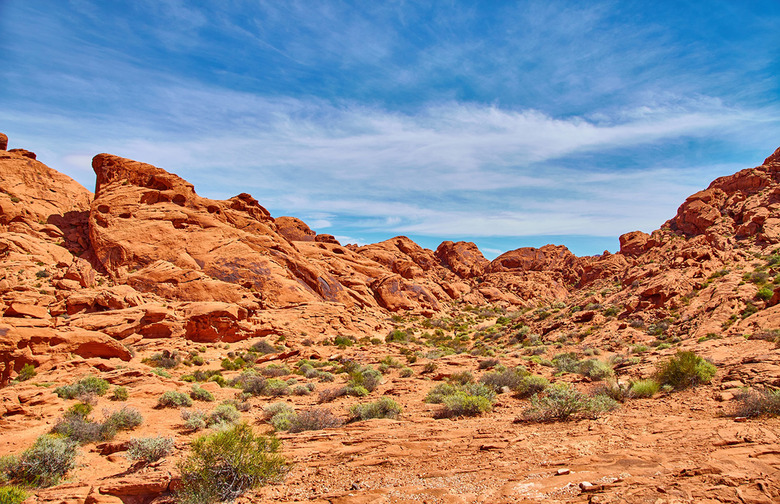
<point x="148" y="227"/>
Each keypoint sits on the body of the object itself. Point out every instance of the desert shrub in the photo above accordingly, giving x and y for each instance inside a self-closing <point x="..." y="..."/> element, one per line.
<point x="276" y="387"/>
<point x="201" y="394"/>
<point x="644" y="388"/>
<point x="12" y="495"/>
<point x="510" y="378"/>
<point x="81" y="409"/>
<point x="150" y="449"/>
<point x="562" y="402"/>
<point x="462" y="377"/>
<point x="332" y="394"/>
<point x="488" y="363"/>
<point x="166" y="359"/>
<point x="343" y="341"/>
<point x="232" y="365"/>
<point x="567" y="362"/>
<point x="224" y="465"/>
<point x="223" y="414"/>
<point x="161" y="372"/>
<point x="764" y="293"/>
<point x="406" y="372"/>
<point x="385" y="407"/>
<point x="617" y="391"/>
<point x="366" y="377"/>
<point x="90" y="385"/>
<point x="126" y="418"/>
<point x="194" y="420"/>
<point x="430" y="367"/>
<point x="596" y="369"/>
<point x="314" y="419"/>
<point x="82" y="430"/>
<point x="752" y="403"/>
<point x="302" y="390"/>
<point x="27" y="372"/>
<point x="684" y="370"/>
<point x="530" y="385"/>
<point x="44" y="463"/>
<point x="174" y="399"/>
<point x="461" y="399"/>
<point x="119" y="393"/>
<point x="462" y="403"/>
<point x="279" y="415"/>
<point x="250" y="382"/>
<point x="263" y="347"/>
<point x="275" y="370"/>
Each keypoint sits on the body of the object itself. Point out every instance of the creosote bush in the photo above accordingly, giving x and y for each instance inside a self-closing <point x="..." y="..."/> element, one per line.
<point x="314" y="419"/>
<point x="458" y="399"/>
<point x="43" y="464"/>
<point x="684" y="370"/>
<point x="200" y="394"/>
<point x="385" y="407"/>
<point x="644" y="388"/>
<point x="754" y="403"/>
<point x="562" y="402"/>
<point x="27" y="372"/>
<point x="150" y="449"/>
<point x="119" y="393"/>
<point x="90" y="385"/>
<point x="224" y="465"/>
<point x="174" y="399"/>
<point x="530" y="385"/>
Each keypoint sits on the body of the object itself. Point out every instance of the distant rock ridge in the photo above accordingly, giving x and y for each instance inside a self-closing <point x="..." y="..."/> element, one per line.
<point x="147" y="257"/>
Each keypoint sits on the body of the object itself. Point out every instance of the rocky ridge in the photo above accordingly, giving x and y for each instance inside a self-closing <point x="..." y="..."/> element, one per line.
<point x="94" y="283"/>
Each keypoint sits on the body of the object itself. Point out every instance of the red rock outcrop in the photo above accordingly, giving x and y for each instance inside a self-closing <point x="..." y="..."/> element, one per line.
<point x="294" y="229"/>
<point x="462" y="258"/>
<point x="148" y="227"/>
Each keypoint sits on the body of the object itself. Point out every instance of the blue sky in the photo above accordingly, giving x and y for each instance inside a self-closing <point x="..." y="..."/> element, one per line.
<point x="504" y="123"/>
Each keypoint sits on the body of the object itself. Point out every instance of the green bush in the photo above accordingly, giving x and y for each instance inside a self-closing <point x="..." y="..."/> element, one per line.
<point x="224" y="414"/>
<point x="684" y="370"/>
<point x="366" y="377"/>
<point x="275" y="370"/>
<point x="150" y="449"/>
<point x="194" y="420"/>
<point x="119" y="393"/>
<point x="314" y="419"/>
<point x="461" y="399"/>
<point x="174" y="399"/>
<point x="12" y="495"/>
<point x="27" y="372"/>
<point x="530" y="385"/>
<point x="126" y="418"/>
<point x="385" y="407"/>
<point x="596" y="369"/>
<point x="165" y="359"/>
<point x="644" y="388"/>
<point x="765" y="293"/>
<point x="279" y="415"/>
<point x="43" y="464"/>
<point x="462" y="403"/>
<point x="753" y="403"/>
<point x="562" y="402"/>
<point x="510" y="378"/>
<point x="276" y="387"/>
<point x="90" y="385"/>
<point x="224" y="465"/>
<point x="201" y="394"/>
<point x="406" y="372"/>
<point x="250" y="382"/>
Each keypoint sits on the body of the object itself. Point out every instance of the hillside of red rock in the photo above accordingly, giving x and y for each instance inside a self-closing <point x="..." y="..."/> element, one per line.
<point x="149" y="286"/>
